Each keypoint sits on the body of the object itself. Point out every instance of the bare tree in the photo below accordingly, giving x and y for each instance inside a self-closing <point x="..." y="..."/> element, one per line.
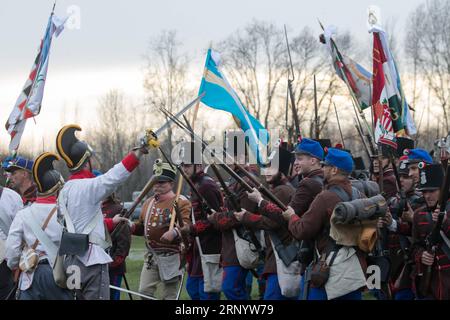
<point x="428" y="28"/>
<point x="165" y="80"/>
<point x="254" y="60"/>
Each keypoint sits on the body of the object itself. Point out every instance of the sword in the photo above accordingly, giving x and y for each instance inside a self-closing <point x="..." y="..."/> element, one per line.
<point x="150" y="137"/>
<point x="179" y="114"/>
<point x="132" y="292"/>
<point x="181" y="285"/>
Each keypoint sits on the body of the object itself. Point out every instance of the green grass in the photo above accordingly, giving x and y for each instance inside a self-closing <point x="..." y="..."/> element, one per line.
<point x="135" y="261"/>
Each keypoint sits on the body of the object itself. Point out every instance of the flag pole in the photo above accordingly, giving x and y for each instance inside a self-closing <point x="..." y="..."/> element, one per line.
<point x="339" y="125"/>
<point x="352" y="94"/>
<point x="316" y="111"/>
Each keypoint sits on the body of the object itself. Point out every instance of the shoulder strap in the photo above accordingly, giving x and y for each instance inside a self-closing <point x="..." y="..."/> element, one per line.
<point x="318" y="179"/>
<point x="146" y="216"/>
<point x="62" y="206"/>
<point x="50" y="248"/>
<point x="1" y="191"/>
<point x="340" y="192"/>
<point x="44" y="226"/>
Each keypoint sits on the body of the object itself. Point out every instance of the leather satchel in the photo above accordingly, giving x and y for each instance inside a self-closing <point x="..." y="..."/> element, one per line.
<point x="320" y="271"/>
<point x="73" y="244"/>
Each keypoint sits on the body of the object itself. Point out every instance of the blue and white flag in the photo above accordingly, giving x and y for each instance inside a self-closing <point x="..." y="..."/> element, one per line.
<point x="218" y="94"/>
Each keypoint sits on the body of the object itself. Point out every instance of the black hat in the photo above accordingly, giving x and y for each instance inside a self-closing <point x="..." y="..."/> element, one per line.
<point x="403" y="144"/>
<point x="386" y="151"/>
<point x="431" y="176"/>
<point x="284" y="159"/>
<point x="48" y="180"/>
<point x="359" y="163"/>
<point x="163" y="171"/>
<point x="73" y="151"/>
<point x="325" y="143"/>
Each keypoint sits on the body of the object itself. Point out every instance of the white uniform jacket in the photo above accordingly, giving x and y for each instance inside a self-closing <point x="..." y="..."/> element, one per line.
<point x="20" y="232"/>
<point x="84" y="198"/>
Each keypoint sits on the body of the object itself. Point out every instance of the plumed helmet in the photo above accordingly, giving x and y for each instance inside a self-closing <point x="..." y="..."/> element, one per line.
<point x="48" y="180"/>
<point x="73" y="151"/>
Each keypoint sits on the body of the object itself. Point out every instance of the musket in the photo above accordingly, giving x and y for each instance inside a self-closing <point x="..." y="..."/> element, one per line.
<point x="290" y="89"/>
<point x="229" y="170"/>
<point x="243" y="232"/>
<point x="204" y="206"/>
<point x="127" y="213"/>
<point x="363" y="141"/>
<point x="316" y="112"/>
<point x="339" y="125"/>
<point x="382" y="259"/>
<point x="369" y="136"/>
<point x="402" y="204"/>
<point x="149" y="138"/>
<point x="434" y="237"/>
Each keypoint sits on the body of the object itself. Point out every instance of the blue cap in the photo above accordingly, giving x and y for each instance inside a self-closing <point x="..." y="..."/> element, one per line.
<point x="309" y="147"/>
<point x="6" y="162"/>
<point x="20" y="163"/>
<point x="418" y="155"/>
<point x="340" y="159"/>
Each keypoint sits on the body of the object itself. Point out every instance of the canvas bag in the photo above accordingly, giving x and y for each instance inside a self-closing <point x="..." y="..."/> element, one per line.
<point x="212" y="271"/>
<point x="288" y="276"/>
<point x="246" y="252"/>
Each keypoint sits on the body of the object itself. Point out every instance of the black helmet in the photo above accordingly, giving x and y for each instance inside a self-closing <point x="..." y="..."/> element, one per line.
<point x="47" y="179"/>
<point x="73" y="151"/>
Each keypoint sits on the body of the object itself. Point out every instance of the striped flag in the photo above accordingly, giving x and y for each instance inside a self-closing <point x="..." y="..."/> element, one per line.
<point x="218" y="94"/>
<point x="384" y="100"/>
<point x="357" y="78"/>
<point x="28" y="104"/>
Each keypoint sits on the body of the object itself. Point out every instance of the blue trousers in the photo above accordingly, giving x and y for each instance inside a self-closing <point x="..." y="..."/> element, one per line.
<point x="44" y="286"/>
<point x="273" y="291"/>
<point x="233" y="283"/>
<point x="320" y="294"/>
<point x="115" y="280"/>
<point x="195" y="288"/>
<point x="404" y="294"/>
<point x="261" y="282"/>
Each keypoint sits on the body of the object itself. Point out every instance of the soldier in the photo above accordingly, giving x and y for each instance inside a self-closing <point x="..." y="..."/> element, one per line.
<point x="234" y="274"/>
<point x="431" y="178"/>
<point x="308" y="154"/>
<point x="389" y="182"/>
<point x="80" y="204"/>
<point x="10" y="204"/>
<point x="37" y="227"/>
<point x="21" y="180"/>
<point x="163" y="260"/>
<point x="275" y="226"/>
<point x="121" y="242"/>
<point x="414" y="157"/>
<point x="314" y="224"/>
<point x="209" y="238"/>
<point x="401" y="208"/>
<point x="7" y="175"/>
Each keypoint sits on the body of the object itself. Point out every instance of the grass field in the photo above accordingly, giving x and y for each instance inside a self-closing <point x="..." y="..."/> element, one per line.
<point x="135" y="261"/>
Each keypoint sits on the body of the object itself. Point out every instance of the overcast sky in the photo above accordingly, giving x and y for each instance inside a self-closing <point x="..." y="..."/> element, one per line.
<point x="106" y="52"/>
